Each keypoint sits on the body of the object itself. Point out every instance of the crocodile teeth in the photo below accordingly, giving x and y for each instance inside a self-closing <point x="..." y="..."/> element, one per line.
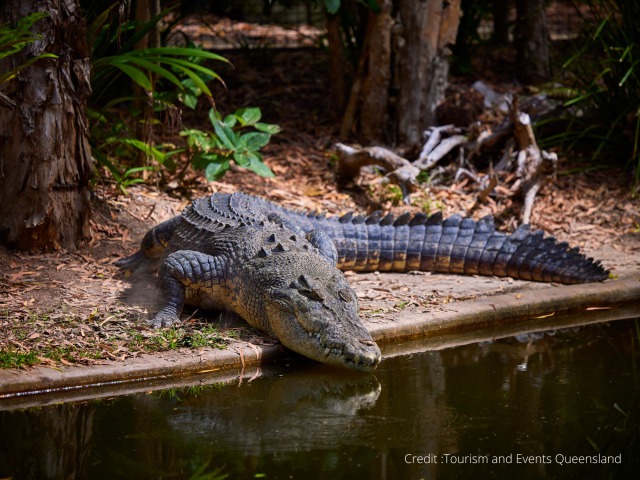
<point x="326" y="351"/>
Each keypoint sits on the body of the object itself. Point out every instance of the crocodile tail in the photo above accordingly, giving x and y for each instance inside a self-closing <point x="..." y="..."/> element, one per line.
<point x="455" y="245"/>
<point x="152" y="246"/>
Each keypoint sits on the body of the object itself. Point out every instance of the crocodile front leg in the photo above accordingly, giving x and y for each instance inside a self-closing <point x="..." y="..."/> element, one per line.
<point x="190" y="276"/>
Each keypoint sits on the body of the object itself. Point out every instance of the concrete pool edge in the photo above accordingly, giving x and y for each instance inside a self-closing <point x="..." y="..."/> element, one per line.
<point x="509" y="308"/>
<point x="520" y="311"/>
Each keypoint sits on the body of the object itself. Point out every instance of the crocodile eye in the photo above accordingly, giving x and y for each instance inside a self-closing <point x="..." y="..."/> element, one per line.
<point x="312" y="294"/>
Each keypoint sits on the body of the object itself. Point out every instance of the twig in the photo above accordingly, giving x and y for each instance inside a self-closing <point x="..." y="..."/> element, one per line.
<point x="484" y="194"/>
<point x="435" y="134"/>
<point x="444" y="147"/>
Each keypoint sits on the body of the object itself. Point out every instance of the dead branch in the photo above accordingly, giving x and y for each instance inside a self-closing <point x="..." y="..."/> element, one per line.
<point x="352" y="159"/>
<point x="534" y="165"/>
<point x="399" y="170"/>
<point x="434" y="134"/>
<point x="440" y="151"/>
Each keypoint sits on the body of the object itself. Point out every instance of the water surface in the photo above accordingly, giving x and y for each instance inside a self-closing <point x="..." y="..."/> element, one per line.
<point x="534" y="405"/>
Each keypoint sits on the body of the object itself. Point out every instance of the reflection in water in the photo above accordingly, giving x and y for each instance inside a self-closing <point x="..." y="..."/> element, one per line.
<point x="304" y="410"/>
<point x="540" y="399"/>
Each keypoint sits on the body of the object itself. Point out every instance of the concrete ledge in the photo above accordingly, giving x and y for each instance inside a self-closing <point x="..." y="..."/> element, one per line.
<point x="519" y="309"/>
<point x="142" y="373"/>
<point x="454" y="324"/>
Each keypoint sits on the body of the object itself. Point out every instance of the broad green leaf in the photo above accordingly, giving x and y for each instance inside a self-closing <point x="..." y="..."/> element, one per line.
<point x="248" y="116"/>
<point x="255" y="140"/>
<point x="214" y="116"/>
<point x="268" y="128"/>
<point x="225" y="134"/>
<point x="216" y="170"/>
<point x="189" y="99"/>
<point x="256" y="165"/>
<point x="241" y="159"/>
<point x="230" y="121"/>
<point x="190" y="86"/>
<point x="198" y="139"/>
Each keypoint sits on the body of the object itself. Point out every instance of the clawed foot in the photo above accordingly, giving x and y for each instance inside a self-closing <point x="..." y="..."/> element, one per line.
<point x="163" y="319"/>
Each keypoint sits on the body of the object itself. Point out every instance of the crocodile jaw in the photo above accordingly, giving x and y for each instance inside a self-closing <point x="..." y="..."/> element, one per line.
<point x="348" y="344"/>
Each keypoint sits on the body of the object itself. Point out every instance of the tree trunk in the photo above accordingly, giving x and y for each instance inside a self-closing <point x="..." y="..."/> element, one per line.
<point x="338" y="65"/>
<point x="375" y="87"/>
<point x="532" y="41"/>
<point x="403" y="74"/>
<point x="45" y="159"/>
<point x="500" y="12"/>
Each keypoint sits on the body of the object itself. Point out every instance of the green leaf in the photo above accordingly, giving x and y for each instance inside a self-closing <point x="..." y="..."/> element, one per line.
<point x="188" y="69"/>
<point x="241" y="159"/>
<point x="216" y="170"/>
<point x="226" y="135"/>
<point x="186" y="52"/>
<point x="230" y="120"/>
<point x="143" y="63"/>
<point x="255" y="140"/>
<point x="268" y="128"/>
<point x="133" y="170"/>
<point x="12" y="73"/>
<point x="190" y="100"/>
<point x="332" y="6"/>
<point x="149" y="150"/>
<point x="198" y="139"/>
<point x="214" y="116"/>
<point x="248" y="116"/>
<point x="256" y="165"/>
<point x="136" y="75"/>
<point x="626" y="75"/>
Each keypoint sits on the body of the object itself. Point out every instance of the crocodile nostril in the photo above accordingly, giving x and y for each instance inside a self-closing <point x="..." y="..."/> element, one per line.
<point x="369" y="343"/>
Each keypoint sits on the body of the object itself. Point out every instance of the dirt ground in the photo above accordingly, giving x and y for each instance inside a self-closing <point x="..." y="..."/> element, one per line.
<point x="71" y="308"/>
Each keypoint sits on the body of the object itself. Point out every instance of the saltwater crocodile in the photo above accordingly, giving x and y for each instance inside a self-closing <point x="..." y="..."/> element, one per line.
<point x="280" y="270"/>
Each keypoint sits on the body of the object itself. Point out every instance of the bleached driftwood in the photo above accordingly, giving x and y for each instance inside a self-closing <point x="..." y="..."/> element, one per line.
<point x="534" y="165"/>
<point x="399" y="170"/>
<point x="436" y="147"/>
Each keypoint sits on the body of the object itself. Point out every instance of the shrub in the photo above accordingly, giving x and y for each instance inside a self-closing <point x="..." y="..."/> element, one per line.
<point x="604" y="113"/>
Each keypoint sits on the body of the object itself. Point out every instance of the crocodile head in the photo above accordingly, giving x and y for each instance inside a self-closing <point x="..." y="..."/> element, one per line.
<point x="313" y="311"/>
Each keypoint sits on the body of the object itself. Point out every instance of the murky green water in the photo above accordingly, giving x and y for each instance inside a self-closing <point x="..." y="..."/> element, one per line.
<point x="535" y="407"/>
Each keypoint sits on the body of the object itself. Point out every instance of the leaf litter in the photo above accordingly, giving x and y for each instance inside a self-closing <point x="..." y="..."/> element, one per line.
<point x="69" y="308"/>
